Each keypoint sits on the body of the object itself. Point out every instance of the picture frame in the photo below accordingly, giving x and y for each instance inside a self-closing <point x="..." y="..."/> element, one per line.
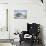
<point x="20" y="14"/>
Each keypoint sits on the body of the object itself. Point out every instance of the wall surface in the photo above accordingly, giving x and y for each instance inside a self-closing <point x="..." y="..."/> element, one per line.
<point x="3" y="1"/>
<point x="32" y="6"/>
<point x="35" y="14"/>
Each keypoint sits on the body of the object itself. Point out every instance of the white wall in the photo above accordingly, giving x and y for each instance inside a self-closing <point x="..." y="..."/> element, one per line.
<point x="35" y="13"/>
<point x="3" y="1"/>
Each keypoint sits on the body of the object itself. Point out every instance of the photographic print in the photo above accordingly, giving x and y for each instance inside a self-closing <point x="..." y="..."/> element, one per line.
<point x="20" y="14"/>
